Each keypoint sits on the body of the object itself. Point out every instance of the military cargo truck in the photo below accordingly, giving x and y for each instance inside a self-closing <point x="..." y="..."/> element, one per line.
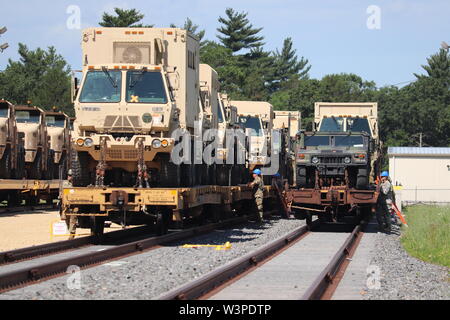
<point x="351" y="117"/>
<point x="288" y="119"/>
<point x="288" y="123"/>
<point x="12" y="152"/>
<point x="39" y="158"/>
<point x="58" y="129"/>
<point x="257" y="119"/>
<point x="337" y="163"/>
<point x="139" y="86"/>
<point x="222" y="117"/>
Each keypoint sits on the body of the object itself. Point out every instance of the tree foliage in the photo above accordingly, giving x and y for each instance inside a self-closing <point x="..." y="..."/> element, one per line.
<point x="41" y="76"/>
<point x="123" y="19"/>
<point x="237" y="32"/>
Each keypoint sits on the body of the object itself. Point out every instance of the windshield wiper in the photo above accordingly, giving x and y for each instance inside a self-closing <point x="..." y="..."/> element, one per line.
<point x="138" y="78"/>
<point x="105" y="70"/>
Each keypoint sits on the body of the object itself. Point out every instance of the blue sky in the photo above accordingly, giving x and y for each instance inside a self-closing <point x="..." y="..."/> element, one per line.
<point x="332" y="34"/>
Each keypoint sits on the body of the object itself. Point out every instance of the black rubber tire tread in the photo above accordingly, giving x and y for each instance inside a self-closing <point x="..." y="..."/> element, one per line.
<point x="80" y="173"/>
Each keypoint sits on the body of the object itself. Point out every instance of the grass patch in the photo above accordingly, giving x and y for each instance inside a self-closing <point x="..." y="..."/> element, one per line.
<point x="428" y="235"/>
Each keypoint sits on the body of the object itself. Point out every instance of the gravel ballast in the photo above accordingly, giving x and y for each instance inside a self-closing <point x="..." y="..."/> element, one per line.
<point x="402" y="277"/>
<point x="150" y="274"/>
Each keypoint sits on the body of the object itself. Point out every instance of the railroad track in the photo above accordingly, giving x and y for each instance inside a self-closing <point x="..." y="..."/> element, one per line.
<point x="257" y="275"/>
<point x="13" y="276"/>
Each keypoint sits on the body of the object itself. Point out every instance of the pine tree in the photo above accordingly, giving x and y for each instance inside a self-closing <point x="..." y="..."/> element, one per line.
<point x="438" y="66"/>
<point x="237" y="31"/>
<point x="288" y="66"/>
<point x="193" y="29"/>
<point x="124" y="19"/>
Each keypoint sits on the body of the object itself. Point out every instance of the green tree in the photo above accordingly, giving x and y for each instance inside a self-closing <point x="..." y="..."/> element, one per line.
<point x="193" y="29"/>
<point x="237" y="32"/>
<point x="42" y="76"/>
<point x="287" y="64"/>
<point x="124" y="19"/>
<point x="438" y="66"/>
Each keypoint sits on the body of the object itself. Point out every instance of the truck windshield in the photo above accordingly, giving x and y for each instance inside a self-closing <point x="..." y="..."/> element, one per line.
<point x="53" y="121"/>
<point x="27" y="117"/>
<point x="348" y="141"/>
<point x="101" y="86"/>
<point x="332" y="124"/>
<point x="252" y="123"/>
<point x="358" y="125"/>
<point x="3" y="113"/>
<point x="145" y="87"/>
<point x="315" y="141"/>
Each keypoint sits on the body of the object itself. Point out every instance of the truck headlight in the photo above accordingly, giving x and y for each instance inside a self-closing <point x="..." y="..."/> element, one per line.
<point x="156" y="143"/>
<point x="347" y="160"/>
<point x="80" y="142"/>
<point x="315" y="160"/>
<point x="88" y="142"/>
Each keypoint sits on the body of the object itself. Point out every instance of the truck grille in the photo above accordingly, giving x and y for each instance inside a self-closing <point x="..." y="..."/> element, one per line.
<point x="121" y="123"/>
<point x="333" y="160"/>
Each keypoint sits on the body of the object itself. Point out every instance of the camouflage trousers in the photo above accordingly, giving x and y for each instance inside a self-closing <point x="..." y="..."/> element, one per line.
<point x="259" y="206"/>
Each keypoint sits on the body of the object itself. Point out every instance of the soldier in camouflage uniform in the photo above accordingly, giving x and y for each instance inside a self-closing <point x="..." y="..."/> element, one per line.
<point x="71" y="221"/>
<point x="258" y="187"/>
<point x="384" y="204"/>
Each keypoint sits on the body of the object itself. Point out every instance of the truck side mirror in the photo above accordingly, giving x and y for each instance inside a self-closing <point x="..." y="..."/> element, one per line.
<point x="174" y="82"/>
<point x="74" y="88"/>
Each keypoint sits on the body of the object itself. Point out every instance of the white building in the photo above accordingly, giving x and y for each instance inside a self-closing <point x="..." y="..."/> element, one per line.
<point x="423" y="173"/>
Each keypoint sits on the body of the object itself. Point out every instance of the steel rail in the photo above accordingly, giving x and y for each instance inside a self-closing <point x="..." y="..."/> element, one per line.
<point x="55" y="247"/>
<point x="325" y="284"/>
<point x="19" y="277"/>
<point x="222" y="275"/>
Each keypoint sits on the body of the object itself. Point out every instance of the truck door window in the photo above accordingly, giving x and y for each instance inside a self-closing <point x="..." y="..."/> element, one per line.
<point x="27" y="117"/>
<point x="53" y="121"/>
<point x="98" y="86"/>
<point x="333" y="124"/>
<point x="252" y="123"/>
<point x="3" y="113"/>
<point x="145" y="87"/>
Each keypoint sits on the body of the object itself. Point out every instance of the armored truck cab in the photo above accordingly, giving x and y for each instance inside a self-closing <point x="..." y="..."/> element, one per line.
<point x="58" y="128"/>
<point x="12" y="152"/>
<point x="39" y="158"/>
<point x="333" y="159"/>
<point x="139" y="86"/>
<point x="257" y="119"/>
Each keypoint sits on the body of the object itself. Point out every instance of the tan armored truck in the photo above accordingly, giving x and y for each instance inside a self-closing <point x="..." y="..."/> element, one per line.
<point x="58" y="129"/>
<point x="352" y="117"/>
<point x="257" y="119"/>
<point x="12" y="153"/>
<point x="39" y="158"/>
<point x="287" y="119"/>
<point x="139" y="86"/>
<point x="288" y="123"/>
<point x="222" y="117"/>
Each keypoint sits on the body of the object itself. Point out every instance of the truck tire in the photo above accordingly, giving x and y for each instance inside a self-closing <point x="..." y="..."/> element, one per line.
<point x="50" y="166"/>
<point x="301" y="177"/>
<point x="19" y="172"/>
<point x="5" y="164"/>
<point x="80" y="170"/>
<point x="35" y="171"/>
<point x="169" y="176"/>
<point x="362" y="180"/>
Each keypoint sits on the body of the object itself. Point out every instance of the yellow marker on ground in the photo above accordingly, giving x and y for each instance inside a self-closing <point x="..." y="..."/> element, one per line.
<point x="225" y="246"/>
